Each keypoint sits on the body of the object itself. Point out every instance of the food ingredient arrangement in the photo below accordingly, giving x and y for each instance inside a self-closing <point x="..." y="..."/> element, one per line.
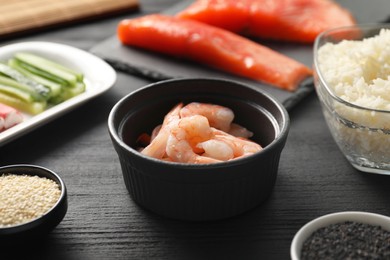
<point x="358" y="72"/>
<point x="208" y="31"/>
<point x="31" y="83"/>
<point x="198" y="133"/>
<point x="205" y="133"/>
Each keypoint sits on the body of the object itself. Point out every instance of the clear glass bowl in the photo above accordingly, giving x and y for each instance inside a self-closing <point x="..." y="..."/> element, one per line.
<point x="362" y="133"/>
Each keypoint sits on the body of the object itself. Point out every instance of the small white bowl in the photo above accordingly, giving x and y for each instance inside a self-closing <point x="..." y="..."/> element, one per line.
<point x="356" y="216"/>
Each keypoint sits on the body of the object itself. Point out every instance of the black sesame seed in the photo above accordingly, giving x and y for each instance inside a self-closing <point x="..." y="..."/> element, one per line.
<point x="347" y="240"/>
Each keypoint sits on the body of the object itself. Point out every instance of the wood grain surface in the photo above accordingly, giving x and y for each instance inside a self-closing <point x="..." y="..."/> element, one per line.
<point x="102" y="221"/>
<point x="26" y="16"/>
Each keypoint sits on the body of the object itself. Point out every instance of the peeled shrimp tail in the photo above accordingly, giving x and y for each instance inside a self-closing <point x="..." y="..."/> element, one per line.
<point x="239" y="131"/>
<point x="240" y="146"/>
<point x="157" y="146"/>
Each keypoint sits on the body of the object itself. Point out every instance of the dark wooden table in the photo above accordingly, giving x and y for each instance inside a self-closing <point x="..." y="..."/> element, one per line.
<point x="102" y="221"/>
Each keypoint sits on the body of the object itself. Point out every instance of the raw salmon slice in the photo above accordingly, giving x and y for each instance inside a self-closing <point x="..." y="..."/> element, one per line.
<point x="214" y="47"/>
<point x="288" y="20"/>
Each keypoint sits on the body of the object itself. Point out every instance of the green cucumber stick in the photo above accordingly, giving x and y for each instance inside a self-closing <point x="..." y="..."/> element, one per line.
<point x="31" y="108"/>
<point x="17" y="93"/>
<point x="55" y="88"/>
<point x="40" y="91"/>
<point x="45" y="68"/>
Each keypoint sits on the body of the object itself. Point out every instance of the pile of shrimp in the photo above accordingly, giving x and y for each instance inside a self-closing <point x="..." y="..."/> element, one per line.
<point x="198" y="133"/>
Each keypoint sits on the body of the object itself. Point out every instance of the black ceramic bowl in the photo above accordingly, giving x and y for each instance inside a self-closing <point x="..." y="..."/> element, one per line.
<point x="40" y="226"/>
<point x="192" y="191"/>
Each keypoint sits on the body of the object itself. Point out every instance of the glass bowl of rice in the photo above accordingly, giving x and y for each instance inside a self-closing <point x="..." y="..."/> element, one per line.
<point x="352" y="81"/>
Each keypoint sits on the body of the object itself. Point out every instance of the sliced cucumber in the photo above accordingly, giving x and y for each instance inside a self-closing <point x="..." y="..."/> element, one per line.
<point x="51" y="64"/>
<point x="44" y="68"/>
<point x="31" y="108"/>
<point x="8" y="82"/>
<point x="54" y="87"/>
<point x="39" y="91"/>
<point x="17" y="93"/>
<point x="44" y="74"/>
<point x="68" y="93"/>
<point x="30" y="83"/>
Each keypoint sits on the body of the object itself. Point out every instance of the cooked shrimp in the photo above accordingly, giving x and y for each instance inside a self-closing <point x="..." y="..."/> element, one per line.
<point x="156" y="148"/>
<point x="183" y="138"/>
<point x="219" y="117"/>
<point x="217" y="149"/>
<point x="239" y="131"/>
<point x="240" y="146"/>
<point x="196" y="133"/>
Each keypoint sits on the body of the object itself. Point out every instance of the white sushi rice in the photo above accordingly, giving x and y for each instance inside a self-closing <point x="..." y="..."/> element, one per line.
<point x="359" y="72"/>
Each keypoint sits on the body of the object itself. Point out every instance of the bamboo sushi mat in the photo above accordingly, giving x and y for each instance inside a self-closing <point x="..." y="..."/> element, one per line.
<point x="18" y="16"/>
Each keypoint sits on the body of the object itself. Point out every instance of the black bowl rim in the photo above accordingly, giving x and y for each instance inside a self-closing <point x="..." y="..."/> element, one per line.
<point x="24" y="227"/>
<point x="281" y="136"/>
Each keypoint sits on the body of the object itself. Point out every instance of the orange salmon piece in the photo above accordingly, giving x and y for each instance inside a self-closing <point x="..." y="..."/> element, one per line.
<point x="214" y="47"/>
<point x="286" y="20"/>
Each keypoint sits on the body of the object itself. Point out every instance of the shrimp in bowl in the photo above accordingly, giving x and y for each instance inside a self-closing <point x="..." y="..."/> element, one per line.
<point x="199" y="133"/>
<point x="198" y="149"/>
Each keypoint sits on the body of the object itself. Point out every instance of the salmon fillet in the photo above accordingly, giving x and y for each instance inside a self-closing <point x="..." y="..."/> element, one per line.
<point x="214" y="47"/>
<point x="287" y="20"/>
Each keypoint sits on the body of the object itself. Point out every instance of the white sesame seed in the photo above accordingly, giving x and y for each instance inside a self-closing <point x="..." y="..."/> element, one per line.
<point x="24" y="198"/>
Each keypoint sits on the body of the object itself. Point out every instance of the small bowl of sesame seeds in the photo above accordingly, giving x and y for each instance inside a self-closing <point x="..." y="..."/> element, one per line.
<point x="33" y="201"/>
<point x="343" y="235"/>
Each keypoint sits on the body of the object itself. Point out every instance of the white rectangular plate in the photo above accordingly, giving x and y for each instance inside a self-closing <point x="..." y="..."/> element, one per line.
<point x="98" y="76"/>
